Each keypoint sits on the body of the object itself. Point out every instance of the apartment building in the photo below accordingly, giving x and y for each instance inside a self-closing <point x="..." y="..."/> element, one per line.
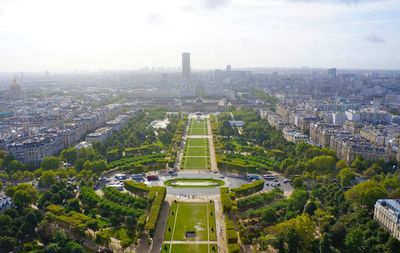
<point x="387" y="213"/>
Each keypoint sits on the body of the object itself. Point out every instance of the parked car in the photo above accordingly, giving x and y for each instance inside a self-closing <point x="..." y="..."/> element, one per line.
<point x="120" y="177"/>
<point x="269" y="177"/>
<point x="152" y="177"/>
<point x="253" y="177"/>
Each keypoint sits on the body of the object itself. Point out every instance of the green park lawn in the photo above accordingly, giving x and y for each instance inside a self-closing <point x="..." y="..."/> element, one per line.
<point x="196" y="142"/>
<point x="198" y="127"/>
<point x="191" y="248"/>
<point x="197" y="151"/>
<point x="197" y="217"/>
<point x="196" y="155"/>
<point x="195" y="162"/>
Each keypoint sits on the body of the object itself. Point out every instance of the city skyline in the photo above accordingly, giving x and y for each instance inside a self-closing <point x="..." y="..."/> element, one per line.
<point x="70" y="35"/>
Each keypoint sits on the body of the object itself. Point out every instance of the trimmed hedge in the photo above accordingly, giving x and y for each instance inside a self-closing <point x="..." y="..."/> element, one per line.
<point x="136" y="188"/>
<point x="238" y="168"/>
<point x="226" y="200"/>
<point x="231" y="236"/>
<point x="156" y="197"/>
<point x="116" y="196"/>
<point x="233" y="248"/>
<point x="56" y="209"/>
<point x="260" y="200"/>
<point x="143" y="150"/>
<point x="248" y="189"/>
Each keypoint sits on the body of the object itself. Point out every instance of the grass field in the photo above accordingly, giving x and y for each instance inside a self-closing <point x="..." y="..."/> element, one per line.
<point x="196" y="217"/>
<point x="191" y="248"/>
<point x="197" y="142"/>
<point x="196" y="154"/>
<point x="198" y="127"/>
<point x="198" y="151"/>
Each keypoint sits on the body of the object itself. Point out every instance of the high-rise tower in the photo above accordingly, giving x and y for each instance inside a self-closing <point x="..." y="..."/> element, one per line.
<point x="186" y="64"/>
<point x="15" y="90"/>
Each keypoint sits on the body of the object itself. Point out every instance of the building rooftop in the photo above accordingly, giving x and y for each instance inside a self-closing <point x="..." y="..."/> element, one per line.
<point x="391" y="204"/>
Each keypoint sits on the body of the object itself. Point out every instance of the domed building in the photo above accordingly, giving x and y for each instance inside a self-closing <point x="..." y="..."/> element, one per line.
<point x="15" y="90"/>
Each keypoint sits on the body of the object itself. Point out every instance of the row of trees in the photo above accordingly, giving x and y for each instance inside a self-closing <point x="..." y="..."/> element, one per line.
<point x="330" y="210"/>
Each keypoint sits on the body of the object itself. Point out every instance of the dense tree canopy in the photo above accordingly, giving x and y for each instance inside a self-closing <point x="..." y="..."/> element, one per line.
<point x="366" y="193"/>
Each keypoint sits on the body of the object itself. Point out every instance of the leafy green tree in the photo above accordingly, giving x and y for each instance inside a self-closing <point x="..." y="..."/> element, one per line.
<point x="358" y="164"/>
<point x="366" y="193"/>
<point x="346" y="175"/>
<point x="73" y="247"/>
<point x="99" y="166"/>
<point x="7" y="160"/>
<point x="393" y="245"/>
<point x="50" y="163"/>
<point x="325" y="244"/>
<point x="312" y="152"/>
<point x="325" y="165"/>
<point x="298" y="199"/>
<point x="4" y="176"/>
<point x="226" y="129"/>
<point x="310" y="208"/>
<point x="48" y="178"/>
<point x="70" y="155"/>
<point x="7" y="244"/>
<point x="14" y="166"/>
<point x="22" y="198"/>
<point x="375" y="169"/>
<point x="86" y="153"/>
<point x="87" y="165"/>
<point x="302" y="225"/>
<point x="337" y="234"/>
<point x="298" y="183"/>
<point x="354" y="240"/>
<point x="73" y="205"/>
<point x="293" y="240"/>
<point x="79" y="164"/>
<point x="341" y="164"/>
<point x="25" y="187"/>
<point x="52" y="248"/>
<point x="45" y="199"/>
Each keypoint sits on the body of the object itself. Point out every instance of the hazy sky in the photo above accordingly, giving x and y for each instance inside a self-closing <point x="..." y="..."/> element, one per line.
<point x="68" y="35"/>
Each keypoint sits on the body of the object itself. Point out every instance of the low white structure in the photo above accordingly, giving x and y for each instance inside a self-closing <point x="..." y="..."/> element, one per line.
<point x="5" y="202"/>
<point x="387" y="213"/>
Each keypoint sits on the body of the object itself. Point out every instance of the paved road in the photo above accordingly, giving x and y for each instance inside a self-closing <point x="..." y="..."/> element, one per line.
<point x="221" y="227"/>
<point x="161" y="226"/>
<point x="180" y="152"/>
<point x="213" y="160"/>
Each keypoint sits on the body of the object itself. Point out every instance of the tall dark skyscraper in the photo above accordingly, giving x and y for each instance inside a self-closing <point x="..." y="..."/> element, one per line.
<point x="186" y="64"/>
<point x="332" y="73"/>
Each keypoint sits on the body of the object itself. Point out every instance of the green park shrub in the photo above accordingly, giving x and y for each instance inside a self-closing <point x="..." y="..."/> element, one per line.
<point x="233" y="248"/>
<point x="136" y="188"/>
<point x="156" y="197"/>
<point x="231" y="236"/>
<point x="225" y="199"/>
<point x="248" y="189"/>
